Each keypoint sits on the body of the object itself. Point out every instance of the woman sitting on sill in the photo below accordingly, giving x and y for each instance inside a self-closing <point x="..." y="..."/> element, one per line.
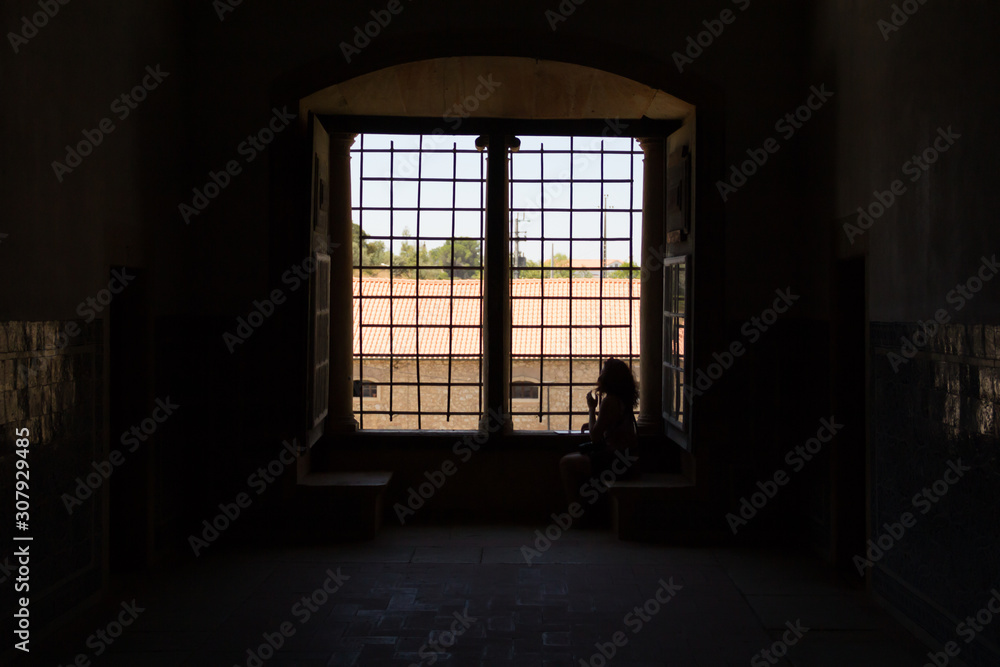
<point x="612" y="430"/>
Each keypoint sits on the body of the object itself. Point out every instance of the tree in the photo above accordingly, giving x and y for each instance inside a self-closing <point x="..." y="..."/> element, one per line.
<point x="530" y="268"/>
<point x="364" y="252"/>
<point x="407" y="257"/>
<point x="626" y="270"/>
<point x="460" y="252"/>
<point x="466" y="252"/>
<point x="427" y="259"/>
<point x="558" y="259"/>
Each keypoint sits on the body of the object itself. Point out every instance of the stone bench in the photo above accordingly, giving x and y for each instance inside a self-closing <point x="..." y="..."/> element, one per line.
<point x="346" y="502"/>
<point x="641" y="508"/>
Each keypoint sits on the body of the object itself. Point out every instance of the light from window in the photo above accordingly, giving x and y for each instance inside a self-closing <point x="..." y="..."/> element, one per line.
<point x="576" y="228"/>
<point x="418" y="207"/>
<point x="675" y="320"/>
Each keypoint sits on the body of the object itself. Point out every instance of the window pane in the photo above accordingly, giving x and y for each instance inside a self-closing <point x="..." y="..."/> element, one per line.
<point x="569" y="315"/>
<point x="417" y="336"/>
<point x="674" y="323"/>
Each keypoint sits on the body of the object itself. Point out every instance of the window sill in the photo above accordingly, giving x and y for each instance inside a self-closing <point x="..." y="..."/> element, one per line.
<point x="445" y="440"/>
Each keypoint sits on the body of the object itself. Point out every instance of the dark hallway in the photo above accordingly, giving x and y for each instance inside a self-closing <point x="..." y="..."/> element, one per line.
<point x="394" y="601"/>
<point x="778" y="216"/>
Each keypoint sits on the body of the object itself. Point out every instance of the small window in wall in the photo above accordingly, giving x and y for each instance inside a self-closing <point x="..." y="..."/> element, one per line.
<point x="365" y="389"/>
<point x="524" y="390"/>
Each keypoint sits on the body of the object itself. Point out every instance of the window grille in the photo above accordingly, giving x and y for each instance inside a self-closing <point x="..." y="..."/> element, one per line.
<point x="419" y="234"/>
<point x="418" y="206"/>
<point x="675" y="309"/>
<point x="576" y="221"/>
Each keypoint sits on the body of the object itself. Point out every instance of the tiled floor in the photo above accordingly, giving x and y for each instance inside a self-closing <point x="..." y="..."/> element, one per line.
<point x="466" y="596"/>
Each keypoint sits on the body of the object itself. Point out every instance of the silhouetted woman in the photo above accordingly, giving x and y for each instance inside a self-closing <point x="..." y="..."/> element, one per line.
<point x="612" y="428"/>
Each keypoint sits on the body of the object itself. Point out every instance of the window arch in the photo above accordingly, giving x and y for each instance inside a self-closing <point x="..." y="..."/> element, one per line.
<point x="463" y="90"/>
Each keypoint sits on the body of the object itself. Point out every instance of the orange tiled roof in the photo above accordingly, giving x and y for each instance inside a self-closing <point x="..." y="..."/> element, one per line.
<point x="443" y="321"/>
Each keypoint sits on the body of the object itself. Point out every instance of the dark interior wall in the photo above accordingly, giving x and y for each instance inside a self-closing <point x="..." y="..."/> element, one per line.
<point x="224" y="76"/>
<point x="896" y="94"/>
<point x="898" y="87"/>
<point x="63" y="236"/>
<point x="61" y="240"/>
<point x="234" y="86"/>
<point x="121" y="205"/>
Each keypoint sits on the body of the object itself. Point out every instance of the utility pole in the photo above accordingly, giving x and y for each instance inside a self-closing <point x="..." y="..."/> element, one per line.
<point x="604" y="239"/>
<point x="518" y="257"/>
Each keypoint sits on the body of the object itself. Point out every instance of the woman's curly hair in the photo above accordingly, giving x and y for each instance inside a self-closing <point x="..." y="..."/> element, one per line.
<point x="617" y="378"/>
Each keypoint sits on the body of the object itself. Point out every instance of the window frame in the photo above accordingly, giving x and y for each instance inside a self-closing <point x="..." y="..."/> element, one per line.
<point x="678" y="429"/>
<point x="502" y="128"/>
<point x="362" y="384"/>
<point x="527" y="382"/>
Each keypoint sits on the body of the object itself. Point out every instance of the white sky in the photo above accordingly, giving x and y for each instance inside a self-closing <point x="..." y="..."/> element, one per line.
<point x="525" y="195"/>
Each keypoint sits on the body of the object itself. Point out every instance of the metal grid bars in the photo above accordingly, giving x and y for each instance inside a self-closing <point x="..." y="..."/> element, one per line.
<point x="418" y="204"/>
<point x="675" y="274"/>
<point x="576" y="226"/>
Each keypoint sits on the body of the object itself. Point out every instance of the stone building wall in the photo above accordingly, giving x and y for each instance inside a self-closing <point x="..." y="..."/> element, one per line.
<point x="929" y="411"/>
<point x="467" y="399"/>
<point x="57" y="393"/>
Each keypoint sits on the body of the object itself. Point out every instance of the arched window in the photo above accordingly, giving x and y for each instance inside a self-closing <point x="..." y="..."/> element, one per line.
<point x="497" y="101"/>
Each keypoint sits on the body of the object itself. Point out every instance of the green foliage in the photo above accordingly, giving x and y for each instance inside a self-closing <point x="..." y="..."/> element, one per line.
<point x="367" y="253"/>
<point x="461" y="252"/>
<point x="560" y="261"/>
<point x="626" y="270"/>
<point x="466" y="253"/>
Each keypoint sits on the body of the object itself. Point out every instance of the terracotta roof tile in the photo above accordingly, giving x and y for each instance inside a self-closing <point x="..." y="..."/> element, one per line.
<point x="453" y="324"/>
